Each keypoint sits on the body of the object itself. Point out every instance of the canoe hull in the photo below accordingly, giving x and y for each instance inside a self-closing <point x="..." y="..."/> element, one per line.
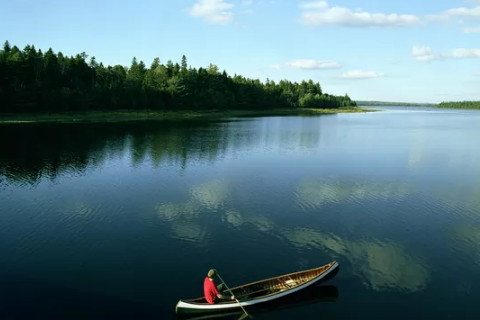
<point x="252" y="294"/>
<point x="311" y="295"/>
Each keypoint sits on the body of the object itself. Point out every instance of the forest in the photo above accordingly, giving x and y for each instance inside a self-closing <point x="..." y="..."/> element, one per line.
<point x="32" y="81"/>
<point x="460" y="105"/>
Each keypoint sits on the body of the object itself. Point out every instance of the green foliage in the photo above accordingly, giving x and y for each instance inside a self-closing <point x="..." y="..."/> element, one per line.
<point x="460" y="105"/>
<point x="33" y="81"/>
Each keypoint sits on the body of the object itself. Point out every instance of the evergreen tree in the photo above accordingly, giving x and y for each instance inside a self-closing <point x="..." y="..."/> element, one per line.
<point x="184" y="64"/>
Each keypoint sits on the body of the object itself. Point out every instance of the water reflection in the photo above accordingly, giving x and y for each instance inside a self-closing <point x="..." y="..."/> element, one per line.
<point x="184" y="217"/>
<point x="159" y="197"/>
<point x="257" y="221"/>
<point x="35" y="151"/>
<point x="211" y="194"/>
<point x="183" y="221"/>
<point x="316" y="193"/>
<point x="177" y="211"/>
<point x="31" y="152"/>
<point x="292" y="133"/>
<point x="190" y="231"/>
<point x="380" y="264"/>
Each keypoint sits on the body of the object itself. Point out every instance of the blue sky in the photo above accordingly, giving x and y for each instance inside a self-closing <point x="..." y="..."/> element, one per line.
<point x="405" y="51"/>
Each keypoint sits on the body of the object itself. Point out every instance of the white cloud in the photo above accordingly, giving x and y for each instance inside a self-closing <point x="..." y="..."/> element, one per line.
<point x="320" y="13"/>
<point x="313" y="64"/>
<point x="471" y="30"/>
<point x="275" y="66"/>
<point x="213" y="11"/>
<point x="466" y="53"/>
<point x="476" y="74"/>
<point x="360" y="74"/>
<point x="456" y="14"/>
<point x="314" y="5"/>
<point x="465" y="17"/>
<point x="425" y="53"/>
<point x="463" y="12"/>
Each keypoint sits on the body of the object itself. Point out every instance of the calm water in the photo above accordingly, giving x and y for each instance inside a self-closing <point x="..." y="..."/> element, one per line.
<point x="121" y="221"/>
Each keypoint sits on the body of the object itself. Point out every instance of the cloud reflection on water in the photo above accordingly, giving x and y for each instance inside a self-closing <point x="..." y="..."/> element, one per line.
<point x="211" y="194"/>
<point x="259" y="222"/>
<point x="191" y="231"/>
<point x="380" y="264"/>
<point x="177" y="211"/>
<point x="315" y="193"/>
<point x="183" y="216"/>
<point x="182" y="219"/>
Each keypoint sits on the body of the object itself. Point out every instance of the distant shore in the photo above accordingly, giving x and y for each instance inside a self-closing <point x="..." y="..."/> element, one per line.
<point x="391" y="104"/>
<point x="145" y="115"/>
<point x="445" y="105"/>
<point x="459" y="105"/>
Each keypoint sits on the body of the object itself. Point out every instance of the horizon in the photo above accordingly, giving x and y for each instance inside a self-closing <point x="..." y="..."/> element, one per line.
<point x="372" y="51"/>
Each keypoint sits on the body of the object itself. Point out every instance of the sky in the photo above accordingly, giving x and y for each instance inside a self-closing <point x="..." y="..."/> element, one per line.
<point x="383" y="50"/>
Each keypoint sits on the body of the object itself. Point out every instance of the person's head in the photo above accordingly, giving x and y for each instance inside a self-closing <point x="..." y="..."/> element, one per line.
<point x="212" y="273"/>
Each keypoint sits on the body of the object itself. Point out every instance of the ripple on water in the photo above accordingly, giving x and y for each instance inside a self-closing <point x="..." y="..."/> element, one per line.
<point x="22" y="226"/>
<point x="311" y="194"/>
<point x="78" y="208"/>
<point x="314" y="194"/>
<point x="466" y="239"/>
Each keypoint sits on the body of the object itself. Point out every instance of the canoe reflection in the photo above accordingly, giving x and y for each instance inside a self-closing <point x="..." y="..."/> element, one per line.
<point x="309" y="295"/>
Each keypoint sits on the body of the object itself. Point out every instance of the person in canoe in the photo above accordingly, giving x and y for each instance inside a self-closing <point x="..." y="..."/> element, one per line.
<point x="211" y="290"/>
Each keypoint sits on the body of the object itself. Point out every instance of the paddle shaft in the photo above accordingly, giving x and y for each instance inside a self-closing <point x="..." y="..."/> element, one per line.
<point x="233" y="295"/>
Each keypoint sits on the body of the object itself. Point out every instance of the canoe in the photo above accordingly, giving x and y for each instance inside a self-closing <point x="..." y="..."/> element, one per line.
<point x="259" y="292"/>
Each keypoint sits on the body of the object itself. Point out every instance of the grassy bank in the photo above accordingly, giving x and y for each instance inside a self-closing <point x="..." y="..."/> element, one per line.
<point x="120" y="116"/>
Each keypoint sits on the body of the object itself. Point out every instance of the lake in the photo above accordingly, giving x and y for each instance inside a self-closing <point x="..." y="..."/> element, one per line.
<point x="120" y="221"/>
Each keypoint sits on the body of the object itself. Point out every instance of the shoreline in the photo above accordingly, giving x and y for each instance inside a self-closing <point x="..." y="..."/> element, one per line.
<point x="152" y="115"/>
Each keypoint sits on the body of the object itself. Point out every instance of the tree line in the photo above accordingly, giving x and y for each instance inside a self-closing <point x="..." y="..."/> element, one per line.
<point x="460" y="105"/>
<point x="34" y="81"/>
<point x="391" y="104"/>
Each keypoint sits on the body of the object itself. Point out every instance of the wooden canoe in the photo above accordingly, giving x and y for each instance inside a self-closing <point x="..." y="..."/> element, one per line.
<point x="259" y="292"/>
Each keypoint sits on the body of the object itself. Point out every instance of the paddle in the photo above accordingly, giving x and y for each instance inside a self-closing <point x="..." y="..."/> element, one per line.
<point x="218" y="275"/>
